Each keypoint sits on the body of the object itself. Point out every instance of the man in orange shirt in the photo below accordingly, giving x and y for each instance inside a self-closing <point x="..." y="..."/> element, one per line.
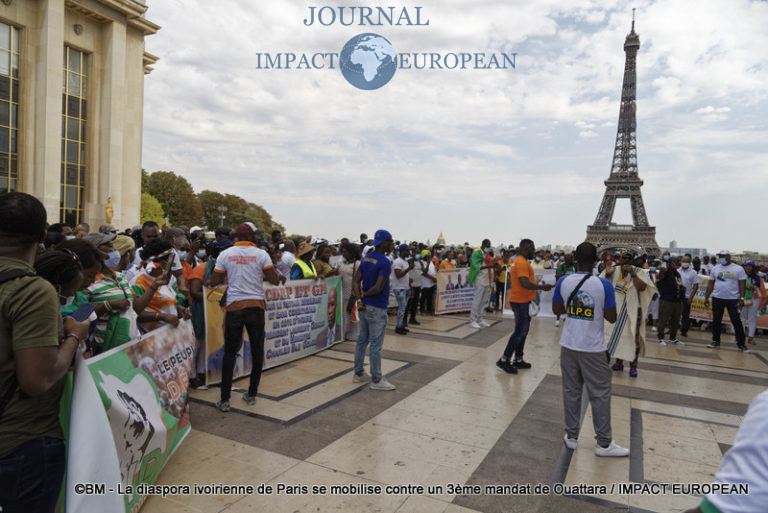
<point x="522" y="290"/>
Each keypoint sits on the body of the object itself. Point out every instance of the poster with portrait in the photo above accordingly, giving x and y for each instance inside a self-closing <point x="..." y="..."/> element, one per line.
<point x="702" y="312"/>
<point x="453" y="294"/>
<point x="541" y="306"/>
<point x="302" y="318"/>
<point x="130" y="412"/>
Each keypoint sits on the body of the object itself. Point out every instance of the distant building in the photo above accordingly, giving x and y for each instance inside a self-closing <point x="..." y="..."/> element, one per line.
<point x="674" y="249"/>
<point x="71" y="105"/>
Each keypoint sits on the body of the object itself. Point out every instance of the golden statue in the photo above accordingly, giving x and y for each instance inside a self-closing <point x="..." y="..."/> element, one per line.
<point x="109" y="210"/>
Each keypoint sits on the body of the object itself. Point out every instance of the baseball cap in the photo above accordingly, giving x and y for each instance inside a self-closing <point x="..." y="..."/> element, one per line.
<point x="749" y="262"/>
<point x="123" y="244"/>
<point x="724" y="252"/>
<point x="98" y="238"/>
<point x="244" y="230"/>
<point x="425" y="253"/>
<point x="402" y="247"/>
<point x="381" y="236"/>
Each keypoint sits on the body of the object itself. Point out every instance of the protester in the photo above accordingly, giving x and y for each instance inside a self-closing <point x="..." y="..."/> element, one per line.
<point x="287" y="258"/>
<point x="586" y="300"/>
<point x="727" y="285"/>
<point x="401" y="268"/>
<point x="414" y="278"/>
<point x="480" y="277"/>
<point x="633" y="290"/>
<point x="690" y="282"/>
<point x="245" y="266"/>
<point x="523" y="287"/>
<point x="197" y="278"/>
<point x="125" y="246"/>
<point x="371" y="287"/>
<point x="350" y="261"/>
<point x="322" y="262"/>
<point x="34" y="358"/>
<point x="564" y="269"/>
<point x="500" y="276"/>
<point x="81" y="230"/>
<point x="303" y="267"/>
<point x="428" y="283"/>
<point x="157" y="299"/>
<point x="754" y="299"/>
<point x="671" y="297"/>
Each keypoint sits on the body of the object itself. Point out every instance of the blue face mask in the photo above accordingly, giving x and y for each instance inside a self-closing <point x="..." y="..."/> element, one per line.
<point x="201" y="253"/>
<point x="666" y="258"/>
<point x="69" y="237"/>
<point x="113" y="260"/>
<point x="652" y="269"/>
<point x="182" y="254"/>
<point x="721" y="260"/>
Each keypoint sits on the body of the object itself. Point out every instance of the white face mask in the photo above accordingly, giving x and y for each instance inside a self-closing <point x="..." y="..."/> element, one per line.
<point x="201" y="253"/>
<point x="685" y="265"/>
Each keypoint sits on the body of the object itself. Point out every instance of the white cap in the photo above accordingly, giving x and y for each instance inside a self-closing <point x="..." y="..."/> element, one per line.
<point x="724" y="252"/>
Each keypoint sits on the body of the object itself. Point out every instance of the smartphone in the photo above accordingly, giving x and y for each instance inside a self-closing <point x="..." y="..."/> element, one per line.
<point x="82" y="313"/>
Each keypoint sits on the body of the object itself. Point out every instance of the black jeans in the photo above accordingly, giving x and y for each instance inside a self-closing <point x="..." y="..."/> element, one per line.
<point x="428" y="299"/>
<point x="30" y="476"/>
<point x="718" y="306"/>
<point x="685" y="321"/>
<point x="252" y="319"/>
<point x="516" y="340"/>
<point x="413" y="303"/>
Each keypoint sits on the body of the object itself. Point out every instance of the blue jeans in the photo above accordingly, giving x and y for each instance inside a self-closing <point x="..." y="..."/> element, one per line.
<point x="402" y="296"/>
<point x="373" y="322"/>
<point x="516" y="341"/>
<point x="31" y="476"/>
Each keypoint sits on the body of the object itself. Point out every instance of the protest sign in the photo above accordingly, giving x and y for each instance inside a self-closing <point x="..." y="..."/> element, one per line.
<point x="542" y="305"/>
<point x="453" y="294"/>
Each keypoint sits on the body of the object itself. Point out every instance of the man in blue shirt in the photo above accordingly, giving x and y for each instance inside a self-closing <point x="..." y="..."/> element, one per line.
<point x="371" y="286"/>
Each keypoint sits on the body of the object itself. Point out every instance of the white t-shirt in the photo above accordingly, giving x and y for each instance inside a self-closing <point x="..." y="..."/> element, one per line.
<point x="583" y="331"/>
<point x="727" y="279"/>
<point x="746" y="463"/>
<point x="285" y="264"/>
<point x="399" y="283"/>
<point x="707" y="269"/>
<point x="244" y="264"/>
<point x="690" y="278"/>
<point x="425" y="282"/>
<point x="415" y="275"/>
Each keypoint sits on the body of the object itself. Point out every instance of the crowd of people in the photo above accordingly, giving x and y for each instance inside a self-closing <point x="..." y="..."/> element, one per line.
<point x="66" y="289"/>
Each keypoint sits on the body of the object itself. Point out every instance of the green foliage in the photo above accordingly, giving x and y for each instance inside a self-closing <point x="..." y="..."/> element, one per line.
<point x="151" y="210"/>
<point x="176" y="196"/>
<point x="237" y="211"/>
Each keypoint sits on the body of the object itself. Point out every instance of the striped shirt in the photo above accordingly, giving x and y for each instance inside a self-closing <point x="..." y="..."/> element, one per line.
<point x="164" y="301"/>
<point x="106" y="288"/>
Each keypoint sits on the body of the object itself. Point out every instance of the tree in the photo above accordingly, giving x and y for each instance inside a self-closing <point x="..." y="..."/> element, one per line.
<point x="237" y="211"/>
<point x="176" y="196"/>
<point x="151" y="210"/>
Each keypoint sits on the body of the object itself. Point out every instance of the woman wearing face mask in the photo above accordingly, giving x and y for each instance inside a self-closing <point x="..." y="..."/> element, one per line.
<point x="351" y="261"/>
<point x="110" y="295"/>
<point x="157" y="300"/>
<point x="125" y="247"/>
<point x="754" y="299"/>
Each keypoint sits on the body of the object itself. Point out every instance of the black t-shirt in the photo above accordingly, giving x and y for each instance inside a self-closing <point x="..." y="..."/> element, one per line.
<point x="669" y="286"/>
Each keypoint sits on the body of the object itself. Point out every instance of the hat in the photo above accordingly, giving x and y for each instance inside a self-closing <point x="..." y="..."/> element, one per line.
<point x="244" y="230"/>
<point x="724" y="252"/>
<point x="123" y="244"/>
<point x="381" y="236"/>
<point x="403" y="247"/>
<point x="425" y="253"/>
<point x="627" y="254"/>
<point x="98" y="238"/>
<point x="749" y="262"/>
<point x="304" y="248"/>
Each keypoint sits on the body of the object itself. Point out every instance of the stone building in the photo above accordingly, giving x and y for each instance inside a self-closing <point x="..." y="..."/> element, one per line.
<point x="71" y="105"/>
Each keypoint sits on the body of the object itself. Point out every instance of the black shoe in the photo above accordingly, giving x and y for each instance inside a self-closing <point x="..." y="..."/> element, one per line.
<point x="521" y="364"/>
<point x="744" y="349"/>
<point x="684" y="334"/>
<point x="713" y="345"/>
<point x="506" y="367"/>
<point x="401" y="331"/>
<point x="414" y="322"/>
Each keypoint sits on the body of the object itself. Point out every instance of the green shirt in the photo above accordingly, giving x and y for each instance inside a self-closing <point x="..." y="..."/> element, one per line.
<point x="29" y="317"/>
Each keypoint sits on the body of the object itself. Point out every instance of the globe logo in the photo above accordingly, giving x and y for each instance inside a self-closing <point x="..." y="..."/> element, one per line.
<point x="368" y="61"/>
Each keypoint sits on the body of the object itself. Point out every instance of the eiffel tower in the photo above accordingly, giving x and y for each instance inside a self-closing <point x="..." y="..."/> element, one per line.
<point x="624" y="181"/>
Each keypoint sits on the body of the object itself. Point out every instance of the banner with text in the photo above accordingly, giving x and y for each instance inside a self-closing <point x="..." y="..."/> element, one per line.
<point x="302" y="318"/>
<point x="130" y="412"/>
<point x="454" y="294"/>
<point x="542" y="305"/>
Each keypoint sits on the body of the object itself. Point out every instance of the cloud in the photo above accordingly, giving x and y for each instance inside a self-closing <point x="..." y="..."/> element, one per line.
<point x="329" y="159"/>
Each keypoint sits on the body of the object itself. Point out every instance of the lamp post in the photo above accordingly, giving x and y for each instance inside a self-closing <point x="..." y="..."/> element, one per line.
<point x="222" y="210"/>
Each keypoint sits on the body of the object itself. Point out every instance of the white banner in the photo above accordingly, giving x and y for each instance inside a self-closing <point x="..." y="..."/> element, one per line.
<point x="542" y="305"/>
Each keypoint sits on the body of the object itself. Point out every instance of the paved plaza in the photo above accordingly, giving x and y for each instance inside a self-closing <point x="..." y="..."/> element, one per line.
<point x="456" y="421"/>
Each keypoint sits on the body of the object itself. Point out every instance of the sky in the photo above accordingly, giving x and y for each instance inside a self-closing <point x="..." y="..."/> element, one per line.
<point x="498" y="154"/>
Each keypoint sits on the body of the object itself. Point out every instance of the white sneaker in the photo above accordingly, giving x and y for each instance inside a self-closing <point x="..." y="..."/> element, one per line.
<point x="663" y="343"/>
<point x="362" y="378"/>
<point x="383" y="384"/>
<point x="475" y="325"/>
<point x="484" y="324"/>
<point x="250" y="399"/>
<point x="570" y="443"/>
<point x="612" y="450"/>
<point x="654" y="329"/>
<point x="677" y="342"/>
<point x="557" y="323"/>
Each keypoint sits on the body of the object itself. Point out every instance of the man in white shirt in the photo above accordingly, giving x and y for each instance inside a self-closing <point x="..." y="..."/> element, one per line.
<point x="245" y="266"/>
<point x="690" y="280"/>
<point x="480" y="278"/>
<point x="586" y="300"/>
<point x="400" y="284"/>
<point x="414" y="277"/>
<point x="727" y="285"/>
<point x="287" y="258"/>
<point x="428" y="282"/>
